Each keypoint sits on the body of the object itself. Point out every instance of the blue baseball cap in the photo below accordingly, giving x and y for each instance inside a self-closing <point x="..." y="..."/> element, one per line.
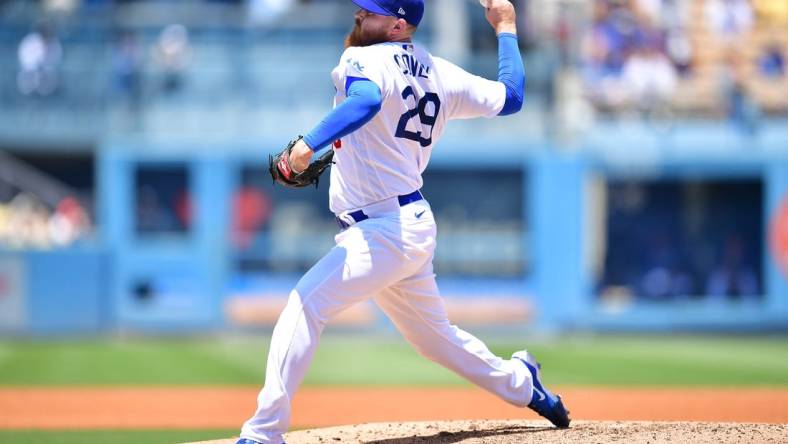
<point x="410" y="10"/>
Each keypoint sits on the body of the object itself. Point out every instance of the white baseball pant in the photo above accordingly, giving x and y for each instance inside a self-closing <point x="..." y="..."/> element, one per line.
<point x="387" y="257"/>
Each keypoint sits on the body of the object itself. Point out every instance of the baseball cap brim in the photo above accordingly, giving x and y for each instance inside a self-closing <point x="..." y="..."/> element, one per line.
<point x="373" y="7"/>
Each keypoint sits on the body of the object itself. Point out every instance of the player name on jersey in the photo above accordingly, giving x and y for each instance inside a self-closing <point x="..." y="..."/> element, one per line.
<point x="412" y="67"/>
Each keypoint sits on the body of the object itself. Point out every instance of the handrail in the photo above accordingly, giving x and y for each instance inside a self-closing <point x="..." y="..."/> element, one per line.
<point x="48" y="189"/>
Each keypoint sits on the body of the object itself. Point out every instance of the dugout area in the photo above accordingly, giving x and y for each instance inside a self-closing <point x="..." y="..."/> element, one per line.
<point x="193" y="237"/>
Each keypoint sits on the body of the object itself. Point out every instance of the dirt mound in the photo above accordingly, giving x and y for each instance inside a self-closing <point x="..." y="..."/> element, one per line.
<point x="500" y="432"/>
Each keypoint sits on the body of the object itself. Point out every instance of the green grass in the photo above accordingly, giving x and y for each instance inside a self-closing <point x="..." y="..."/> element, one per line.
<point x="111" y="436"/>
<point x="606" y="360"/>
<point x="340" y="360"/>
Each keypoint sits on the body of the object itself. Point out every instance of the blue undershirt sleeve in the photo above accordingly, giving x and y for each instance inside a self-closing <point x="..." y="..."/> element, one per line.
<point x="363" y="102"/>
<point x="511" y="73"/>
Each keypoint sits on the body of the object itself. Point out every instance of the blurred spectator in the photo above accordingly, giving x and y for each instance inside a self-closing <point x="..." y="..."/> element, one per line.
<point x="733" y="278"/>
<point x="742" y="110"/>
<point x="625" y="53"/>
<point x="154" y="215"/>
<point x="163" y="200"/>
<point x="69" y="222"/>
<point x="25" y="222"/>
<point x="670" y="19"/>
<point x="679" y="50"/>
<point x="665" y="273"/>
<point x="173" y="56"/>
<point x="127" y="74"/>
<point x="251" y="210"/>
<point x="183" y="207"/>
<point x="662" y="283"/>
<point x="729" y="18"/>
<point x="649" y="76"/>
<point x="604" y="50"/>
<point x="615" y="28"/>
<point x="562" y="36"/>
<point x="771" y="63"/>
<point x="40" y="54"/>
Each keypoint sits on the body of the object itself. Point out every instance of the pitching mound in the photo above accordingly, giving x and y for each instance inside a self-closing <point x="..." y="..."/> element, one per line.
<point x="498" y="432"/>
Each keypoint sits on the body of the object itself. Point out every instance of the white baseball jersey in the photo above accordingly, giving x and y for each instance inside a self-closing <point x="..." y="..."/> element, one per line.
<point x="385" y="157"/>
<point x="386" y="257"/>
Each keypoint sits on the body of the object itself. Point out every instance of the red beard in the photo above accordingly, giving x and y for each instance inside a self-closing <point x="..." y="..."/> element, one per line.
<point x="357" y="37"/>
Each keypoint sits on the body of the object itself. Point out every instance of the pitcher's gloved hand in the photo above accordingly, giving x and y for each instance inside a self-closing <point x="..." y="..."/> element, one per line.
<point x="282" y="171"/>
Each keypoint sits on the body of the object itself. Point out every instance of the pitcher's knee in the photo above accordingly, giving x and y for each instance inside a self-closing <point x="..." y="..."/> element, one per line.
<point x="299" y="305"/>
<point x="318" y="307"/>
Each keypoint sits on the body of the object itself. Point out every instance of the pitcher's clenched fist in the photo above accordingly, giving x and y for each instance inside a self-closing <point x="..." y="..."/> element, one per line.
<point x="501" y="15"/>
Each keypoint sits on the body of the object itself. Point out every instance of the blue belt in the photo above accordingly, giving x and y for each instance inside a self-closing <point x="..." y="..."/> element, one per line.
<point x="359" y="215"/>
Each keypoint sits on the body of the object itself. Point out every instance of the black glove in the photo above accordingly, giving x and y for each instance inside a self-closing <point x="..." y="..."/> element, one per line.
<point x="282" y="172"/>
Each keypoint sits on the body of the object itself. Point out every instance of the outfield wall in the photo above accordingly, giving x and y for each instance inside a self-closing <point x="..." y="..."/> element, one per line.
<point x="130" y="279"/>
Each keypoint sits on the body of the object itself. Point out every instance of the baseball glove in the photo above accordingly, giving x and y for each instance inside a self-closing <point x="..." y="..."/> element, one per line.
<point x="282" y="172"/>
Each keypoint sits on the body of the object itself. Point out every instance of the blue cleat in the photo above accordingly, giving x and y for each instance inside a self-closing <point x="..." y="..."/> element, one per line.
<point x="543" y="401"/>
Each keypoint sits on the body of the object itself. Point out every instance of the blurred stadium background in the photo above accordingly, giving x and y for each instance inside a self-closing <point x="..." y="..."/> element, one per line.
<point x="644" y="188"/>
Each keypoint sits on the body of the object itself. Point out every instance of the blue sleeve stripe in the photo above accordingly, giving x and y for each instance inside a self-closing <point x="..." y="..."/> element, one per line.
<point x="350" y="80"/>
<point x="363" y="102"/>
<point x="511" y="73"/>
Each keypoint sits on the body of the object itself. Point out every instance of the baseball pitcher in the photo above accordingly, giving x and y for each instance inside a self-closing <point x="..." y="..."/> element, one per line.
<point x="392" y="103"/>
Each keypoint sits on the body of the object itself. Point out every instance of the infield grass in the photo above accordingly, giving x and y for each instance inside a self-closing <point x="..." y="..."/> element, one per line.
<point x="386" y="360"/>
<point x="111" y="436"/>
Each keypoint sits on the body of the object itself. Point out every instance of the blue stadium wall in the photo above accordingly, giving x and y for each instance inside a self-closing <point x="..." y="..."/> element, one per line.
<point x="92" y="289"/>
